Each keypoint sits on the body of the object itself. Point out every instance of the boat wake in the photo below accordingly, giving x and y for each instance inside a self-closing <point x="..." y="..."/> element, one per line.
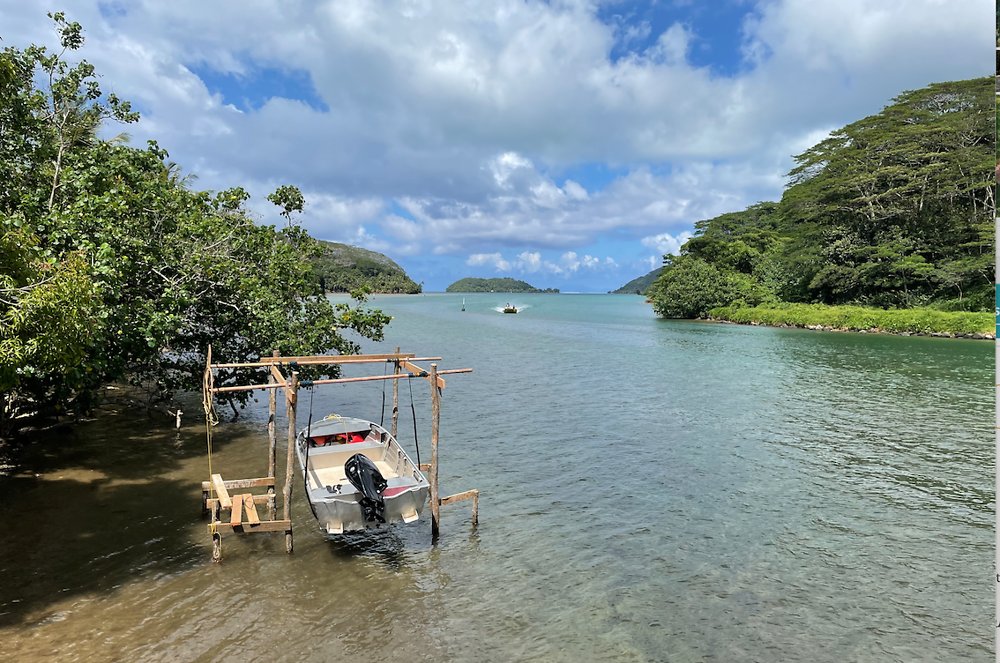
<point x="519" y="307"/>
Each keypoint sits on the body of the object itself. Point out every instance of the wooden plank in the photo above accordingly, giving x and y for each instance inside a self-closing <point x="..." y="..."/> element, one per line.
<point x="336" y="359"/>
<point x="246" y="528"/>
<point x="251" y="387"/>
<point x="257" y="499"/>
<point x="252" y="516"/>
<point x="237" y="515"/>
<point x="424" y="467"/>
<point x="262" y="482"/>
<point x="220" y="488"/>
<point x="279" y="378"/>
<point x="413" y="368"/>
<point x="467" y="495"/>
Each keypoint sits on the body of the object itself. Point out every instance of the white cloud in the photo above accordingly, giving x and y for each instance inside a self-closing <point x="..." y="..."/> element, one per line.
<point x="465" y="113"/>
<point x="666" y="243"/>
<point x="492" y="259"/>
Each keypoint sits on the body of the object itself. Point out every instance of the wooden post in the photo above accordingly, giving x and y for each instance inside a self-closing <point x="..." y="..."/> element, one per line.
<point x="395" y="396"/>
<point x="475" y="509"/>
<point x="293" y="387"/>
<point x="272" y="440"/>
<point x="435" y="423"/>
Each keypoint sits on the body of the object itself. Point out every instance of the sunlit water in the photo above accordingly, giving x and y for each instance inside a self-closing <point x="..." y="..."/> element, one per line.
<point x="651" y="491"/>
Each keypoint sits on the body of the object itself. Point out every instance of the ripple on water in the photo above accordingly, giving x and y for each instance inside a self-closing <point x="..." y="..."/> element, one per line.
<point x="651" y="490"/>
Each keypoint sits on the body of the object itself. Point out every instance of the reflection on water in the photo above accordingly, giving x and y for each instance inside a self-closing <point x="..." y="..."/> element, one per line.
<point x="652" y="490"/>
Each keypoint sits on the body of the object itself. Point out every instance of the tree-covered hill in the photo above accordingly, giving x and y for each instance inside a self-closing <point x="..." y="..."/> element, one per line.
<point x="505" y="284"/>
<point x="346" y="268"/>
<point x="638" y="286"/>
<point x="892" y="211"/>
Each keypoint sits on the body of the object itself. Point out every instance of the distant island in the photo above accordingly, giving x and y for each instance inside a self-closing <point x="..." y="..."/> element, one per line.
<point x="505" y="284"/>
<point x="344" y="268"/>
<point x="638" y="286"/>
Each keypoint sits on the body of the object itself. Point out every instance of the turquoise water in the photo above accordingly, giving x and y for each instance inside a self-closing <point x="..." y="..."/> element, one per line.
<point x="650" y="491"/>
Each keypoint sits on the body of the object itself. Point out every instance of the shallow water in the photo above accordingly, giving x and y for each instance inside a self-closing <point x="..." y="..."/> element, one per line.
<point x="651" y="491"/>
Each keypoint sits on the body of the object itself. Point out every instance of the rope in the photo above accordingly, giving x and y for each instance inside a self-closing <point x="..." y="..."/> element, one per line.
<point x="409" y="384"/>
<point x="305" y="463"/>
<point x="211" y="419"/>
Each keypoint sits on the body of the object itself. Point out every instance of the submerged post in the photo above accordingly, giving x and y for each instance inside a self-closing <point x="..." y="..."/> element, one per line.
<point x="272" y="440"/>
<point x="435" y="424"/>
<point x="395" y="395"/>
<point x="290" y="401"/>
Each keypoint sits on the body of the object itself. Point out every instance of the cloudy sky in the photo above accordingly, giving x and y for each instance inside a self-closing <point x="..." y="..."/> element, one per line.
<point x="566" y="143"/>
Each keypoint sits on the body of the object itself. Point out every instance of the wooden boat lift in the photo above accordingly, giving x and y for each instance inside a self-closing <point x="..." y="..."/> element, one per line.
<point x="403" y="368"/>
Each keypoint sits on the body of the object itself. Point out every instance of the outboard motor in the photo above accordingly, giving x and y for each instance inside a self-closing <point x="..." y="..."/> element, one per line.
<point x="365" y="477"/>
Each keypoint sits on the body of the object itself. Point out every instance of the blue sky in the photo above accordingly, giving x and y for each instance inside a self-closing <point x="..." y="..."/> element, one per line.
<point x="567" y="143"/>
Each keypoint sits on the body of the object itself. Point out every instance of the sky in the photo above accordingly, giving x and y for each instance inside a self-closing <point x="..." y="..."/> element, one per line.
<point x="569" y="144"/>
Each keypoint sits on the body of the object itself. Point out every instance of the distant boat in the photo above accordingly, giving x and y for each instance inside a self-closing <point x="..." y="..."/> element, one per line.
<point x="510" y="309"/>
<point x="351" y="493"/>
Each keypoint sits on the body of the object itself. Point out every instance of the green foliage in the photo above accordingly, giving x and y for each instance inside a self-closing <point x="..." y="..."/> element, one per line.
<point x="344" y="268"/>
<point x="856" y="318"/>
<point x="689" y="287"/>
<point x="505" y="284"/>
<point x="112" y="269"/>
<point x="892" y="211"/>
<point x="289" y="199"/>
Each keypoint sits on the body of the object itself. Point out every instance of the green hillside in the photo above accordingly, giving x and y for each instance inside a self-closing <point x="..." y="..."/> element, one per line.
<point x="892" y="212"/>
<point x="505" y="284"/>
<point x="638" y="286"/>
<point x="343" y="268"/>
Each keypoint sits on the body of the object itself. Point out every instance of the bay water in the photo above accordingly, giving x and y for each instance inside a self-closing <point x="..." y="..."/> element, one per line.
<point x="651" y="490"/>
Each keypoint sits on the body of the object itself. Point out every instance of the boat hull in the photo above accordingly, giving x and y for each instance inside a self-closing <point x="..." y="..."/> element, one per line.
<point x="334" y="500"/>
<point x="339" y="515"/>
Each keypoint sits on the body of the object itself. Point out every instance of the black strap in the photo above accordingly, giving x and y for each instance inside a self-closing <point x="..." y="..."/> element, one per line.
<point x="414" y="411"/>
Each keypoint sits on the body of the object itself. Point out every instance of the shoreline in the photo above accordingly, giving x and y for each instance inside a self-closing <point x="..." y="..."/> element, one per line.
<point x="976" y="336"/>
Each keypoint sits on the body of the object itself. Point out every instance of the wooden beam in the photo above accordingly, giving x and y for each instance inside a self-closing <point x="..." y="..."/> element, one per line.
<point x="336" y="359"/>
<point x="402" y="376"/>
<point x="278" y="377"/>
<point x="220" y="488"/>
<point x="237" y="515"/>
<point x="242" y="483"/>
<point x="424" y="467"/>
<point x="467" y="495"/>
<point x="422" y="372"/>
<point x="263" y="526"/>
<point x="251" y="510"/>
<point x="257" y="499"/>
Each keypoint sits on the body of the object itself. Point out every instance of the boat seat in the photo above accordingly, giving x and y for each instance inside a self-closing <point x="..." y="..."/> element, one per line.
<point x="398" y="485"/>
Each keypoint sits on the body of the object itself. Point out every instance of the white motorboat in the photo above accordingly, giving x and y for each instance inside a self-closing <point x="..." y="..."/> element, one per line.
<point x="326" y="446"/>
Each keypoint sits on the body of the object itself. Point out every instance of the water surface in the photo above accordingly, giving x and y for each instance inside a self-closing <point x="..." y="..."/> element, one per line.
<point x="651" y="491"/>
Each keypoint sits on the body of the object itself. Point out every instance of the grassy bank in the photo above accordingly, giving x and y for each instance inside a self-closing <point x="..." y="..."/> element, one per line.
<point x="857" y="318"/>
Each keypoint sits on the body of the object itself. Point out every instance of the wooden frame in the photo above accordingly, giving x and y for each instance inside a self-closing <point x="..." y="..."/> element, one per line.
<point x="403" y="368"/>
